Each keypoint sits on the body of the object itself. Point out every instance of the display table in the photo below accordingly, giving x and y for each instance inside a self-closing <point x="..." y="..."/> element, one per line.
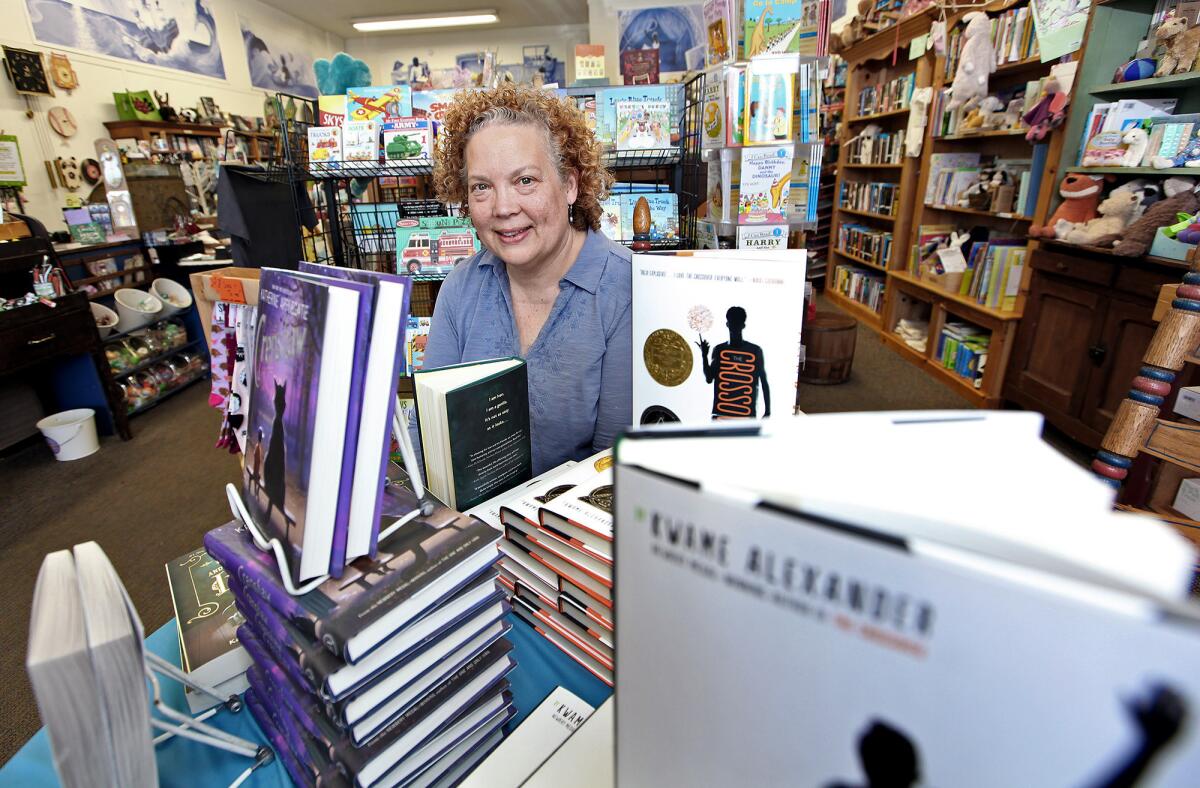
<point x="540" y="668"/>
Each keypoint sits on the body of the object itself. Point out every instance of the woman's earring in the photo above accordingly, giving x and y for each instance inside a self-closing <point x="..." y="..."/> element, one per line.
<point x="571" y="213"/>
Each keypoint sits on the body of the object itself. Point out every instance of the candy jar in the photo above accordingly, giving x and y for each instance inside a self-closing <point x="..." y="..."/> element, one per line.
<point x="138" y="347"/>
<point x="175" y="333"/>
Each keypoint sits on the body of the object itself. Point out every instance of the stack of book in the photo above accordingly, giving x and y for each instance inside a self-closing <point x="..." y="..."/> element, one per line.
<point x="963" y="349"/>
<point x="556" y="559"/>
<point x="949" y="175"/>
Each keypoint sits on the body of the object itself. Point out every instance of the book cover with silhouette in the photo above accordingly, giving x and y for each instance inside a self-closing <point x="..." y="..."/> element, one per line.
<point x="413" y="571"/>
<point x="889" y="639"/>
<point x="715" y="336"/>
<point x="302" y="419"/>
<point x="385" y="364"/>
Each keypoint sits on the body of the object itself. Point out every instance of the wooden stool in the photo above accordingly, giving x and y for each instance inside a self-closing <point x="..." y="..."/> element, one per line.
<point x="829" y="340"/>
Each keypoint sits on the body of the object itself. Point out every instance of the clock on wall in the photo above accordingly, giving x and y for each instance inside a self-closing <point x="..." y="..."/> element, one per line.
<point x="62" y="121"/>
<point x="27" y="70"/>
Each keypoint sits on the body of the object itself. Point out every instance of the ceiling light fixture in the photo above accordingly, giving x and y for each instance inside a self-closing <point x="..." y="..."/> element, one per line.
<point x="462" y="19"/>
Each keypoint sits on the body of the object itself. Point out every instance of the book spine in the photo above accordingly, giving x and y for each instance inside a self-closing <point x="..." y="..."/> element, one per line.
<point x="256" y="578"/>
<point x="341" y="524"/>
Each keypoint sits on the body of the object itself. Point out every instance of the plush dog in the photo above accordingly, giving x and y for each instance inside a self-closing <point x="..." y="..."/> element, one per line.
<point x="1137" y="237"/>
<point x="1081" y="195"/>
<point x="1115" y="214"/>
<point x="976" y="60"/>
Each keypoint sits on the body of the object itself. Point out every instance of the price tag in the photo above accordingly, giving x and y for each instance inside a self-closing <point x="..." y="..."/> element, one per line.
<point x="952" y="260"/>
<point x="228" y="289"/>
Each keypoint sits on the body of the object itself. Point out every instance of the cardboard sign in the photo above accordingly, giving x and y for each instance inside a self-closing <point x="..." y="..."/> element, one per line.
<point x="230" y="290"/>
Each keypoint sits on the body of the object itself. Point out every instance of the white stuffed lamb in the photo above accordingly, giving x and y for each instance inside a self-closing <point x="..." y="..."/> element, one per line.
<point x="976" y="60"/>
<point x="1136" y="141"/>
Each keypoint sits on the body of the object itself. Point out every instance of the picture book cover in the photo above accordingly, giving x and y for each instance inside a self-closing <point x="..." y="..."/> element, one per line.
<point x="768" y="112"/>
<point x="331" y="110"/>
<point x="606" y="107"/>
<point x="379" y="102"/>
<point x="432" y="104"/>
<point x="407" y="563"/>
<point x="718" y="26"/>
<point x="610" y="217"/>
<point x="713" y="115"/>
<point x="416" y="335"/>
<point x="407" y="138"/>
<point x="324" y="144"/>
<point x="735" y="105"/>
<point x="780" y="26"/>
<point x="301" y="434"/>
<point x="643" y="125"/>
<point x="765" y="179"/>
<point x="664" y="215"/>
<point x="433" y="245"/>
<point x="773" y="236"/>
<point x="639" y="66"/>
<point x="714" y="335"/>
<point x="360" y="140"/>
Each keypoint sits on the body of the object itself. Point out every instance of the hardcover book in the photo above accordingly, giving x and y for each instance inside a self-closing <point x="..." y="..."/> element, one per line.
<point x="582" y="516"/>
<point x="768" y="112"/>
<point x="774" y="27"/>
<point x="302" y="438"/>
<point x="379" y="102"/>
<point x="207" y="620"/>
<point x="610" y="218"/>
<point x="766" y="177"/>
<point x="606" y="107"/>
<point x="432" y="245"/>
<point x="639" y="66"/>
<point x="414" y="570"/>
<point x="331" y="110"/>
<point x="643" y="125"/>
<point x="407" y="138"/>
<point x="324" y="144"/>
<point x="432" y="104"/>
<point x="718" y="24"/>
<point x="416" y="336"/>
<point x="735" y="105"/>
<point x="715" y="334"/>
<point x="712" y="116"/>
<point x="360" y="140"/>
<point x="474" y="424"/>
<point x="772" y="236"/>
<point x="389" y="297"/>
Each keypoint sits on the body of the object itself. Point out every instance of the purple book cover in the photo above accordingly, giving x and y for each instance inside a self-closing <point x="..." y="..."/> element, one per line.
<point x="309" y="755"/>
<point x="270" y="628"/>
<point x="271" y="731"/>
<point x="396" y="344"/>
<point x="303" y="705"/>
<point x="279" y="487"/>
<point x="408" y="561"/>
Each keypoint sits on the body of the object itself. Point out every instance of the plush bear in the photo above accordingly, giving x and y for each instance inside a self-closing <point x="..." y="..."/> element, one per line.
<point x="976" y="60"/>
<point x="1135" y="140"/>
<point x="1182" y="44"/>
<point x="1081" y="195"/>
<point x="1115" y="215"/>
<point x="1137" y="237"/>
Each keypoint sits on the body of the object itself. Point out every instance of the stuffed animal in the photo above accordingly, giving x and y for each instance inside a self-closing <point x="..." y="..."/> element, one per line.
<point x="987" y="115"/>
<point x="1081" y="195"/>
<point x="1137" y="237"/>
<point x="1149" y="191"/>
<point x="1135" y="140"/>
<point x="342" y="72"/>
<point x="1188" y="157"/>
<point x="1048" y="113"/>
<point x="1116" y="212"/>
<point x="1182" y="44"/>
<point x="976" y="60"/>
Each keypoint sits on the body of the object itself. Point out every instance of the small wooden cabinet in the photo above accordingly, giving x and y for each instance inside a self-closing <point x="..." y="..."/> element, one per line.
<point x="1087" y="323"/>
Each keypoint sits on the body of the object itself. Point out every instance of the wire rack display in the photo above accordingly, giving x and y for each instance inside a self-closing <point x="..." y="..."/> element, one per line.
<point x="693" y="173"/>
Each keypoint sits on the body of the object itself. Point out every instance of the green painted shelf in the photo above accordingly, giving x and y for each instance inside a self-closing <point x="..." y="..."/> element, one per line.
<point x="1152" y="85"/>
<point x="1135" y="171"/>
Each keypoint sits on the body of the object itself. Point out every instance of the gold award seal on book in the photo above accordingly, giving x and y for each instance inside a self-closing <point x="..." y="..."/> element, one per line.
<point x="668" y="357"/>
<point x="604" y="463"/>
<point x="601" y="498"/>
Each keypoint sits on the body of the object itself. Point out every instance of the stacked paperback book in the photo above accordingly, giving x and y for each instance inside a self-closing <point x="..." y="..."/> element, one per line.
<point x="556" y="558"/>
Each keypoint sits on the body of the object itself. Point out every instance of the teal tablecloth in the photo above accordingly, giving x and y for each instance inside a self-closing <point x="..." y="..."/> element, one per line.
<point x="540" y="668"/>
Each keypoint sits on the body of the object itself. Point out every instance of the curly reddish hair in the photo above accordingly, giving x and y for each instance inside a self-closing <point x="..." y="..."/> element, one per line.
<point x="572" y="145"/>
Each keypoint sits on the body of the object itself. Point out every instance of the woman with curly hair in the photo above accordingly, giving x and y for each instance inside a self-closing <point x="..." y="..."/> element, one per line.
<point x="548" y="286"/>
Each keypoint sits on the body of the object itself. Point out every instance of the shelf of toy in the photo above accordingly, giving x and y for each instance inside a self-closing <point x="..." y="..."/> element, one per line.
<point x="992" y="133"/>
<point x="1194" y="171"/>
<point x="878" y="116"/>
<point x="974" y="308"/>
<point x="881" y="216"/>
<point x="648" y="158"/>
<point x="1152" y="85"/>
<point x="1016" y="217"/>
<point x="124" y="373"/>
<point x="860" y="260"/>
<point x="873" y="319"/>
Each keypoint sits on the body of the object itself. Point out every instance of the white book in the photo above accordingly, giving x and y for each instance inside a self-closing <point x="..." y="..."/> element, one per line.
<point x="585" y="760"/>
<point x="534" y="740"/>
<point x="582" y="516"/>
<point x="489" y="510"/>
<point x="528" y="506"/>
<point x="360" y="140"/>
<point x="891" y="630"/>
<point x="324" y="145"/>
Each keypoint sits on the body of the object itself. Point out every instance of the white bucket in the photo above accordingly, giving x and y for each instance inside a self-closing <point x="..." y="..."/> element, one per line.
<point x="71" y="434"/>
<point x="136" y="308"/>
<point x="106" y="319"/>
<point x="167" y="291"/>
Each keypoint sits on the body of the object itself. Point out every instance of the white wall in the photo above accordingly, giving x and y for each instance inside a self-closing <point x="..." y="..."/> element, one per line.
<point x="380" y="52"/>
<point x="99" y="76"/>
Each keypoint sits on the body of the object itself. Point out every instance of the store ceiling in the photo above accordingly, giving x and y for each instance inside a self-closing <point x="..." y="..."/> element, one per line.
<point x="512" y="13"/>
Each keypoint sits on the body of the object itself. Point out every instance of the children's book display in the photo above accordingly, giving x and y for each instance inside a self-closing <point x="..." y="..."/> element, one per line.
<point x="766" y="177"/>
<point x="876" y="606"/>
<point x="714" y="333"/>
<point x="638" y="100"/>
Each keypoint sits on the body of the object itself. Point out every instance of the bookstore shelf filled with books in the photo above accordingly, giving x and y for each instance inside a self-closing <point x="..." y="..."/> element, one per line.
<point x="496" y="374"/>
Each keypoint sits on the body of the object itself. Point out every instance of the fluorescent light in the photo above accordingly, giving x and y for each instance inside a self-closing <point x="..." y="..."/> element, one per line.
<point x="422" y="22"/>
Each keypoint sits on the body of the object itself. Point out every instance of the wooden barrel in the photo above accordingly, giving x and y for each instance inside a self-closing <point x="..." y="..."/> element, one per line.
<point x="829" y="348"/>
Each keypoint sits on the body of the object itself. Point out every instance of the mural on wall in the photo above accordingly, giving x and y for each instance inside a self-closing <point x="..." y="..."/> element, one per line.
<point x="278" y="63"/>
<point x="672" y="31"/>
<point x="178" y="34"/>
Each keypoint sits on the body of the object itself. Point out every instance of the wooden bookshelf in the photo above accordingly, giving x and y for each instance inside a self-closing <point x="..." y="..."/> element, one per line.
<point x="883" y="217"/>
<point x="860" y="260"/>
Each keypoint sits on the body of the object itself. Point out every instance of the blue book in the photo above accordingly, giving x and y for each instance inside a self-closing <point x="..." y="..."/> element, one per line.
<point x="302" y="426"/>
<point x="389" y="296"/>
<point x="1036" y="168"/>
